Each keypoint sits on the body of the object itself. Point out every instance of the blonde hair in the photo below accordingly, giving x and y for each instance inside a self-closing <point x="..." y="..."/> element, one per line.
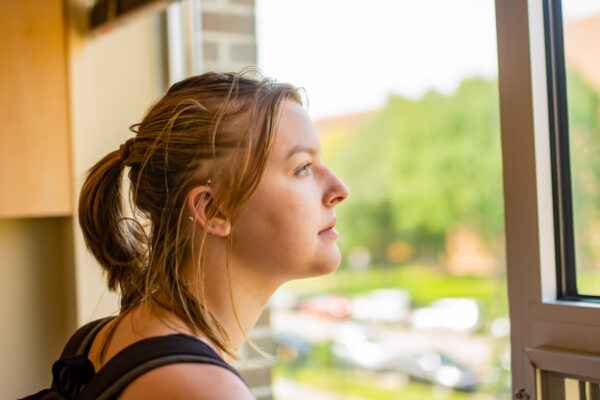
<point x="217" y="126"/>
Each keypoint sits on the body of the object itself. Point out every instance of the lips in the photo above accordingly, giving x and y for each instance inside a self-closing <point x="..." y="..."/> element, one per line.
<point x="330" y="232"/>
<point x="330" y="226"/>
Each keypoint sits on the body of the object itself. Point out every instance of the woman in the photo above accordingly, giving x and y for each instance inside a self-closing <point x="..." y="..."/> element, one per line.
<point x="230" y="199"/>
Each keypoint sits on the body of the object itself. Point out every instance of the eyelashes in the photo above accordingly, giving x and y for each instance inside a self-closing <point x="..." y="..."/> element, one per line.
<point x="305" y="169"/>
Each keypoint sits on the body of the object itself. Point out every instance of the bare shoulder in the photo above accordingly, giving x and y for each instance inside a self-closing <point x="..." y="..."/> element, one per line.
<point x="187" y="381"/>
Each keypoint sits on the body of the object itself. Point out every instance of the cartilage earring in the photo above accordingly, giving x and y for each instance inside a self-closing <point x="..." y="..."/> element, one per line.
<point x="191" y="217"/>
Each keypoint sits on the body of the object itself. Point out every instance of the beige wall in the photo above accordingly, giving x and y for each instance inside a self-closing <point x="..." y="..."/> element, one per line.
<point x="114" y="78"/>
<point x="36" y="300"/>
<point x="50" y="283"/>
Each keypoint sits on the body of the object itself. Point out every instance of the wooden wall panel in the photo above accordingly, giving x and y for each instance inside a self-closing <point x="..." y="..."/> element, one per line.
<point x="34" y="135"/>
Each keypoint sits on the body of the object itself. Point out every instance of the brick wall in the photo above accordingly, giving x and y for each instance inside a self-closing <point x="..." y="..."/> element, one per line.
<point x="255" y="368"/>
<point x="228" y="34"/>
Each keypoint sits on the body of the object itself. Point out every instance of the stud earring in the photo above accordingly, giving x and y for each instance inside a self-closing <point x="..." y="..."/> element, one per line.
<point x="208" y="182"/>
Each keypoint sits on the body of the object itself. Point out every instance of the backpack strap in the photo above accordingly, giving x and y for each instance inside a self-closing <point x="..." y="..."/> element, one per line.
<point x="145" y="355"/>
<point x="73" y="369"/>
<point x="82" y="339"/>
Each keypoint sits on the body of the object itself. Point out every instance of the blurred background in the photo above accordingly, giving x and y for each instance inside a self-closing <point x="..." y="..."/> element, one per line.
<point x="404" y="96"/>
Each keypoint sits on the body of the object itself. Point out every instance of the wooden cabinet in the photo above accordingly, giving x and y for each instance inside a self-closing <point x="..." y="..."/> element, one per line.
<point x="34" y="128"/>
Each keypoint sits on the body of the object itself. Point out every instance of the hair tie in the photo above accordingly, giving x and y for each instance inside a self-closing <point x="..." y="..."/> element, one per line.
<point x="126" y="149"/>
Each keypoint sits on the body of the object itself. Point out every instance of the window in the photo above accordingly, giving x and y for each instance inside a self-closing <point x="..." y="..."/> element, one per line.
<point x="551" y="336"/>
<point x="574" y="101"/>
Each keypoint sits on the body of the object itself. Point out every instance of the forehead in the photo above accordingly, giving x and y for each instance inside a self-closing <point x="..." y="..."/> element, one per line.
<point x="295" y="128"/>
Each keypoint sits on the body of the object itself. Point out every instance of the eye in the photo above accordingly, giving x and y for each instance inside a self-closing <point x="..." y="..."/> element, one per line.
<point x="305" y="169"/>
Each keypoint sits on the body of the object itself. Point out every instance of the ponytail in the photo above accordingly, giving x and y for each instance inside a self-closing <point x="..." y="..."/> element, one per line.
<point x="116" y="242"/>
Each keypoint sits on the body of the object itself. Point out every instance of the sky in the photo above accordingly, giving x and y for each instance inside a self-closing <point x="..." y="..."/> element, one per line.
<point x="575" y="9"/>
<point x="350" y="55"/>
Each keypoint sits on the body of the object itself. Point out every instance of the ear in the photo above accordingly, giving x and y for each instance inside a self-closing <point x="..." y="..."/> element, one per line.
<point x="200" y="200"/>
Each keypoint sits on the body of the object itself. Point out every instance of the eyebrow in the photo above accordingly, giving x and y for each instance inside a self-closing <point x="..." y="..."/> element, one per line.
<point x="301" y="149"/>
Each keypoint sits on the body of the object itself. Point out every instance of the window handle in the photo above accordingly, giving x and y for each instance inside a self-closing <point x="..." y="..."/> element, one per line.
<point x="522" y="394"/>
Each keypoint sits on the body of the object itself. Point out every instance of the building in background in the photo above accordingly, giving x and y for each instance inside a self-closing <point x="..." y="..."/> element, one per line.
<point x="582" y="53"/>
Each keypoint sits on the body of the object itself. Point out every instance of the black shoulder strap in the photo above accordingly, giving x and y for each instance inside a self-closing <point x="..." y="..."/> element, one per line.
<point x="82" y="339"/>
<point x="73" y="369"/>
<point x="144" y="356"/>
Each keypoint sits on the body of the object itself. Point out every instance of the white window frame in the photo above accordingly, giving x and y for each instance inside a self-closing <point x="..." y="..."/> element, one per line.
<point x="546" y="334"/>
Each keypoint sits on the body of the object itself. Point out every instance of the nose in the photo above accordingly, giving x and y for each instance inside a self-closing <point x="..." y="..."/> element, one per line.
<point x="336" y="192"/>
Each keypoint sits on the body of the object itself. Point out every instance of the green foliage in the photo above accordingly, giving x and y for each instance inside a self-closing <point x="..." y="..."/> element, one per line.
<point x="419" y="168"/>
<point x="584" y="135"/>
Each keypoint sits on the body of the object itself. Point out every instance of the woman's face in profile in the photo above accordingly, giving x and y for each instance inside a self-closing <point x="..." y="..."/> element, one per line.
<point x="286" y="229"/>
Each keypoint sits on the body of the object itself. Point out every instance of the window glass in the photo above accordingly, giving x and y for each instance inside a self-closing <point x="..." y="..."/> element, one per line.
<point x="581" y="29"/>
<point x="405" y="97"/>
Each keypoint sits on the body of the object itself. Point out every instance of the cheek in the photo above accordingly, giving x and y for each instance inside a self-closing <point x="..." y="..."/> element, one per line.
<point x="282" y="224"/>
<point x="297" y="204"/>
<point x="291" y="217"/>
<point x="278" y="233"/>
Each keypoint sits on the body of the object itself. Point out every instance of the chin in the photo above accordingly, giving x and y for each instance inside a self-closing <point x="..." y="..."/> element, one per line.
<point x="326" y="265"/>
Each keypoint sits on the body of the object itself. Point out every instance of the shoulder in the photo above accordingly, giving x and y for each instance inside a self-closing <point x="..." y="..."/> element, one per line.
<point x="187" y="381"/>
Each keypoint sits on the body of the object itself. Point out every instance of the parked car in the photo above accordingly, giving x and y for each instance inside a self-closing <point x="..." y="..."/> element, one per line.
<point x="436" y="368"/>
<point x="355" y="345"/>
<point x="382" y="305"/>
<point x="449" y="314"/>
<point x="326" y="306"/>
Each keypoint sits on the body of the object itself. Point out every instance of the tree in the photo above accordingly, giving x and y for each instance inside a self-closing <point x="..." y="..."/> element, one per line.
<point x="584" y="140"/>
<point x="419" y="168"/>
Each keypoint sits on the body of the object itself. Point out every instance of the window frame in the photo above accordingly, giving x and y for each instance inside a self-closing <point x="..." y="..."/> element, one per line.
<point x="558" y="119"/>
<point x="564" y="232"/>
<point x="546" y="333"/>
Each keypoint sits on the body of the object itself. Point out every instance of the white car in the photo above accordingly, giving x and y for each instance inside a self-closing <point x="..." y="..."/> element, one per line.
<point x="383" y="305"/>
<point x="356" y="345"/>
<point x="448" y="314"/>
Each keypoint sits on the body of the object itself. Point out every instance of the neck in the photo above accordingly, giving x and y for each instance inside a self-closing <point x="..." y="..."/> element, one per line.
<point x="249" y="294"/>
<point x="248" y="307"/>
